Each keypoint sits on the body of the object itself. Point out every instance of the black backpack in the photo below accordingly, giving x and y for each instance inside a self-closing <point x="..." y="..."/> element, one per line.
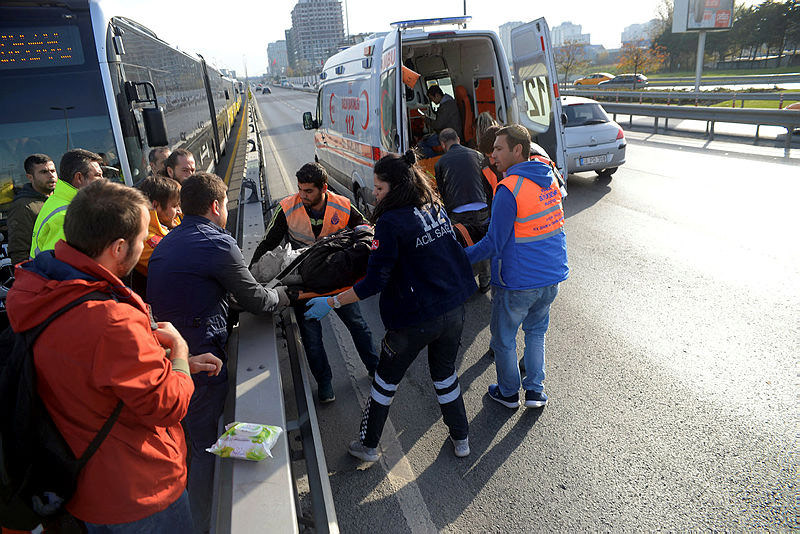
<point x="38" y="471"/>
<point x="336" y="261"/>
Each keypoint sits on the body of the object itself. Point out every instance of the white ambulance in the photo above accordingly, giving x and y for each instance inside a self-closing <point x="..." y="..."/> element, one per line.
<point x="365" y="110"/>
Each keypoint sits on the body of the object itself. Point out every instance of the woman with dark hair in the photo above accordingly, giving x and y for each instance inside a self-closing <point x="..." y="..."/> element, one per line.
<point x="424" y="278"/>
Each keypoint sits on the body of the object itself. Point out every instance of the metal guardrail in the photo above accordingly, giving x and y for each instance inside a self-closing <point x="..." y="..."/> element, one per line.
<point x="739" y="79"/>
<point x="789" y="119"/>
<point x="679" y="96"/>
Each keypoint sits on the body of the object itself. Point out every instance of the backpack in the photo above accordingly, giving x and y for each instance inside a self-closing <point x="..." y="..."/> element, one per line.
<point x="38" y="471"/>
<point x="335" y="261"/>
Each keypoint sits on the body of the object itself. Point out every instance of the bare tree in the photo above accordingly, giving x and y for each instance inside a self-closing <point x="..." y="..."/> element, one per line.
<point x="636" y="58"/>
<point x="571" y="57"/>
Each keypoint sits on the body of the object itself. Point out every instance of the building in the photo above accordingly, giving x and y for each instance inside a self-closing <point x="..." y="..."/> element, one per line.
<point x="567" y="31"/>
<point x="640" y="33"/>
<point x="317" y="30"/>
<point x="277" y="58"/>
<point x="505" y="36"/>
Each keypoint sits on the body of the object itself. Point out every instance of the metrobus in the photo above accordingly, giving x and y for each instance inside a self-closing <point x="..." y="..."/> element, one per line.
<point x="75" y="77"/>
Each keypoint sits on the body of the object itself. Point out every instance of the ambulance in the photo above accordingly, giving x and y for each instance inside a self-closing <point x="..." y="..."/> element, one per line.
<point x="372" y="96"/>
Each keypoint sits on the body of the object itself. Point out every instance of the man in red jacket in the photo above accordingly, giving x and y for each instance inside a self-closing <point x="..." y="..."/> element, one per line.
<point x="105" y="351"/>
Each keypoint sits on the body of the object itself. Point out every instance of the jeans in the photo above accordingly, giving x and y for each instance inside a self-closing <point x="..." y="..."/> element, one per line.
<point x="202" y="424"/>
<point x="427" y="145"/>
<point x="510" y="309"/>
<point x="175" y="518"/>
<point x="399" y="349"/>
<point x="311" y="332"/>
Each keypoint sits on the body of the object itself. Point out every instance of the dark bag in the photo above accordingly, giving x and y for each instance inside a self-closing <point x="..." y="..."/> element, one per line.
<point x="336" y="261"/>
<point x="38" y="471"/>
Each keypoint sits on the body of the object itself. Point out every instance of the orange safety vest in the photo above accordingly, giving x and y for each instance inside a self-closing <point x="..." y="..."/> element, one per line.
<point x="539" y="211"/>
<point x="337" y="215"/>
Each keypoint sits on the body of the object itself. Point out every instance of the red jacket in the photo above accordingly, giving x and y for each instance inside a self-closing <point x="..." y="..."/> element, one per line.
<point x="87" y="360"/>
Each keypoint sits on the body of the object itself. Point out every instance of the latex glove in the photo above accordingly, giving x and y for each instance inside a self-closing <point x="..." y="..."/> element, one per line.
<point x="318" y="308"/>
<point x="283" y="296"/>
<point x="205" y="362"/>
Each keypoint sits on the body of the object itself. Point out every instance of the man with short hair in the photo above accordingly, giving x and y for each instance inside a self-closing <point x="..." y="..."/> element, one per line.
<point x="529" y="259"/>
<point x="303" y="219"/>
<point x="190" y="275"/>
<point x="447" y="116"/>
<point x="78" y="168"/>
<point x="156" y="158"/>
<point x="179" y="165"/>
<point x="42" y="178"/>
<point x="460" y="184"/>
<point x="103" y="352"/>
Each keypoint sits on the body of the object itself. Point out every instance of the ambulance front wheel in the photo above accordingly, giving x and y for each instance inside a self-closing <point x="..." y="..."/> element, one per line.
<point x="362" y="205"/>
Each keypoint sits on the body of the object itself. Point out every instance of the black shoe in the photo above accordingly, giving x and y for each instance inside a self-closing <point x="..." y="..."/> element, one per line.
<point x="511" y="401"/>
<point x="535" y="399"/>
<point x="325" y="393"/>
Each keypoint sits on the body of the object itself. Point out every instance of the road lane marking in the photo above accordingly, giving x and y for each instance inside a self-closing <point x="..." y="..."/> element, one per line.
<point x="274" y="150"/>
<point x="399" y="474"/>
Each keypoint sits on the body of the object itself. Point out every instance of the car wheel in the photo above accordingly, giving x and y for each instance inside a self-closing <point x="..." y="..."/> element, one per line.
<point x="361" y="205"/>
<point x="606" y="173"/>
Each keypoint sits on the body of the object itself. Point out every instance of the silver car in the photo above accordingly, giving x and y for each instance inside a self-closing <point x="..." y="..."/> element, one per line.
<point x="594" y="141"/>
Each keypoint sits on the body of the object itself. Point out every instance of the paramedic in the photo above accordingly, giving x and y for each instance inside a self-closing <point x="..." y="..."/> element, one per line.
<point x="447" y="116"/>
<point x="424" y="278"/>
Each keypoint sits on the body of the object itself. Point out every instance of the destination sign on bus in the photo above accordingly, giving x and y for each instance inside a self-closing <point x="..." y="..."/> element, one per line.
<point x="40" y="46"/>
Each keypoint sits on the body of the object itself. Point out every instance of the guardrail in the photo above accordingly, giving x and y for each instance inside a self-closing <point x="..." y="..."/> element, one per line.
<point x="262" y="496"/>
<point x="788" y="119"/>
<point x="678" y="96"/>
<point x="739" y="79"/>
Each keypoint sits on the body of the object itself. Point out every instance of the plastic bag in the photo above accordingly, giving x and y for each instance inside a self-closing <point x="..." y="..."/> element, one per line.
<point x="246" y="441"/>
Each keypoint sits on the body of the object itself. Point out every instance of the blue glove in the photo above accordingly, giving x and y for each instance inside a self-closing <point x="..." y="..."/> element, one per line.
<point x="318" y="308"/>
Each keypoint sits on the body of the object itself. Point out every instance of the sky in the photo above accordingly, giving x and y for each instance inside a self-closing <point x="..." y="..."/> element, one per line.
<point x="240" y="30"/>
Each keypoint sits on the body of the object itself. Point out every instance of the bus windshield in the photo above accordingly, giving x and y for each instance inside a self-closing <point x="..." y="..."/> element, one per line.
<point x="53" y="98"/>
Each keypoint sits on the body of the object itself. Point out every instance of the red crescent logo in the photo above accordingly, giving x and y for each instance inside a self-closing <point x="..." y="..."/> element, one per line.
<point x="366" y="96"/>
<point x="330" y="108"/>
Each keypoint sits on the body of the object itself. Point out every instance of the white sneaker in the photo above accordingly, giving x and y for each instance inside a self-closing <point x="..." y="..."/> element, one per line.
<point x="360" y="451"/>
<point x="460" y="447"/>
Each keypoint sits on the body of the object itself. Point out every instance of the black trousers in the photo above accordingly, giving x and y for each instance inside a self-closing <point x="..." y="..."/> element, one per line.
<point x="399" y="349"/>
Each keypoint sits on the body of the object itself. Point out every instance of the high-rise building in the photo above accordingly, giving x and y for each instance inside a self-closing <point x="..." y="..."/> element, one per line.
<point x="317" y="30"/>
<point x="639" y="33"/>
<point x="277" y="58"/>
<point x="505" y="36"/>
<point x="567" y="31"/>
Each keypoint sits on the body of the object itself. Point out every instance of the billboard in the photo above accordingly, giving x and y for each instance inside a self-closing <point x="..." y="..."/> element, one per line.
<point x="705" y="15"/>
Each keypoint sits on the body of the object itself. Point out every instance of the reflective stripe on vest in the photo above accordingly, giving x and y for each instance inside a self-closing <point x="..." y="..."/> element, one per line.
<point x="49" y="216"/>
<point x="337" y="215"/>
<point x="539" y="211"/>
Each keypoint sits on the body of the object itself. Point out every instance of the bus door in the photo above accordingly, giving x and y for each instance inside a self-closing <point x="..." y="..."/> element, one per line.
<point x="536" y="87"/>
<point x="394" y="134"/>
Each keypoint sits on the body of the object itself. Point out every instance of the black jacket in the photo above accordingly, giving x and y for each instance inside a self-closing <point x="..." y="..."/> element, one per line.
<point x="27" y="204"/>
<point x="459" y="177"/>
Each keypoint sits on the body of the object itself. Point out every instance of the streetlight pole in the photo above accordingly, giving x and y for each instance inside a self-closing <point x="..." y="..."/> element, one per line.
<point x="66" y="119"/>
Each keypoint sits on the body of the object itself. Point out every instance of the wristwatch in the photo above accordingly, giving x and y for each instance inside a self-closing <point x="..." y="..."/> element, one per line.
<point x="336" y="303"/>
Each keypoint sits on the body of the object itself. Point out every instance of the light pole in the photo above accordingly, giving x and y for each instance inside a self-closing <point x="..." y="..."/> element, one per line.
<point x="66" y="119"/>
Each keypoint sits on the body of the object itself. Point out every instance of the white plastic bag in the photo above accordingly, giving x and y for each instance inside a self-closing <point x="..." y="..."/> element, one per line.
<point x="246" y="441"/>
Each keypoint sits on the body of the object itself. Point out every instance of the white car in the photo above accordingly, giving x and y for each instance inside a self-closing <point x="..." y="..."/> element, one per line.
<point x="594" y="141"/>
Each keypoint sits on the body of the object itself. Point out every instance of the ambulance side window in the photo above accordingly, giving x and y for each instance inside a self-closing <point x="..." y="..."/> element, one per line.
<point x="319" y="109"/>
<point x="388" y="111"/>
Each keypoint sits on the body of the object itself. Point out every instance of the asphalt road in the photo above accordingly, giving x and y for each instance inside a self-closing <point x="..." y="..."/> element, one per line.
<point x="671" y="363"/>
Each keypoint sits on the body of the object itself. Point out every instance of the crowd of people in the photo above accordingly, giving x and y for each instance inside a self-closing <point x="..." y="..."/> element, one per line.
<point x="168" y="274"/>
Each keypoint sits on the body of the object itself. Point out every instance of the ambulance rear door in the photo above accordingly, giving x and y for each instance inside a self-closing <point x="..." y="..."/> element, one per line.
<point x="394" y="135"/>
<point x="536" y="88"/>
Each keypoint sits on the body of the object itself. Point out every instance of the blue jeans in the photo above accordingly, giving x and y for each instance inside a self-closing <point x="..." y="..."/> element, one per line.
<point x="311" y="332"/>
<point x="202" y="426"/>
<point x="427" y="145"/>
<point x="510" y="309"/>
<point x="175" y="518"/>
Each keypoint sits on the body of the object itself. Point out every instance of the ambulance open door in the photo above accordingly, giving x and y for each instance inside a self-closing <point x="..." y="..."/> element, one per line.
<point x="394" y="133"/>
<point x="536" y="87"/>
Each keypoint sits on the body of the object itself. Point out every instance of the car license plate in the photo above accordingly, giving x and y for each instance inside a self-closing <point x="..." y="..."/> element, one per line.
<point x="591" y="160"/>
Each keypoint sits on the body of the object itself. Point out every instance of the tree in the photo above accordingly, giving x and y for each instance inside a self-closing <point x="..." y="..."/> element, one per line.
<point x="636" y="58"/>
<point x="571" y="57"/>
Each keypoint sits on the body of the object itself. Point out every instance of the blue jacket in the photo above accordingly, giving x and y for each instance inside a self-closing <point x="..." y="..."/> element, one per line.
<point x="417" y="265"/>
<point x="191" y="272"/>
<point x="520" y="265"/>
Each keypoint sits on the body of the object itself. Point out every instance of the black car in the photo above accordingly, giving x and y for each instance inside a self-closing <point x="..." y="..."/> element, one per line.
<point x="628" y="81"/>
<point x="266" y="90"/>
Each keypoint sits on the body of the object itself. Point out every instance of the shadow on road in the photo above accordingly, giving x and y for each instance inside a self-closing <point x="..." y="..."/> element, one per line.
<point x="584" y="191"/>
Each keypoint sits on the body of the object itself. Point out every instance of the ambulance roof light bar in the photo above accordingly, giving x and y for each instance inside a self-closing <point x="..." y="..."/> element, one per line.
<point x="419" y="23"/>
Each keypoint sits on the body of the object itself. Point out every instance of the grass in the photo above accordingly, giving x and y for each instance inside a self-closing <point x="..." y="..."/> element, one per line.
<point x="706" y="73"/>
<point x="759" y="104"/>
